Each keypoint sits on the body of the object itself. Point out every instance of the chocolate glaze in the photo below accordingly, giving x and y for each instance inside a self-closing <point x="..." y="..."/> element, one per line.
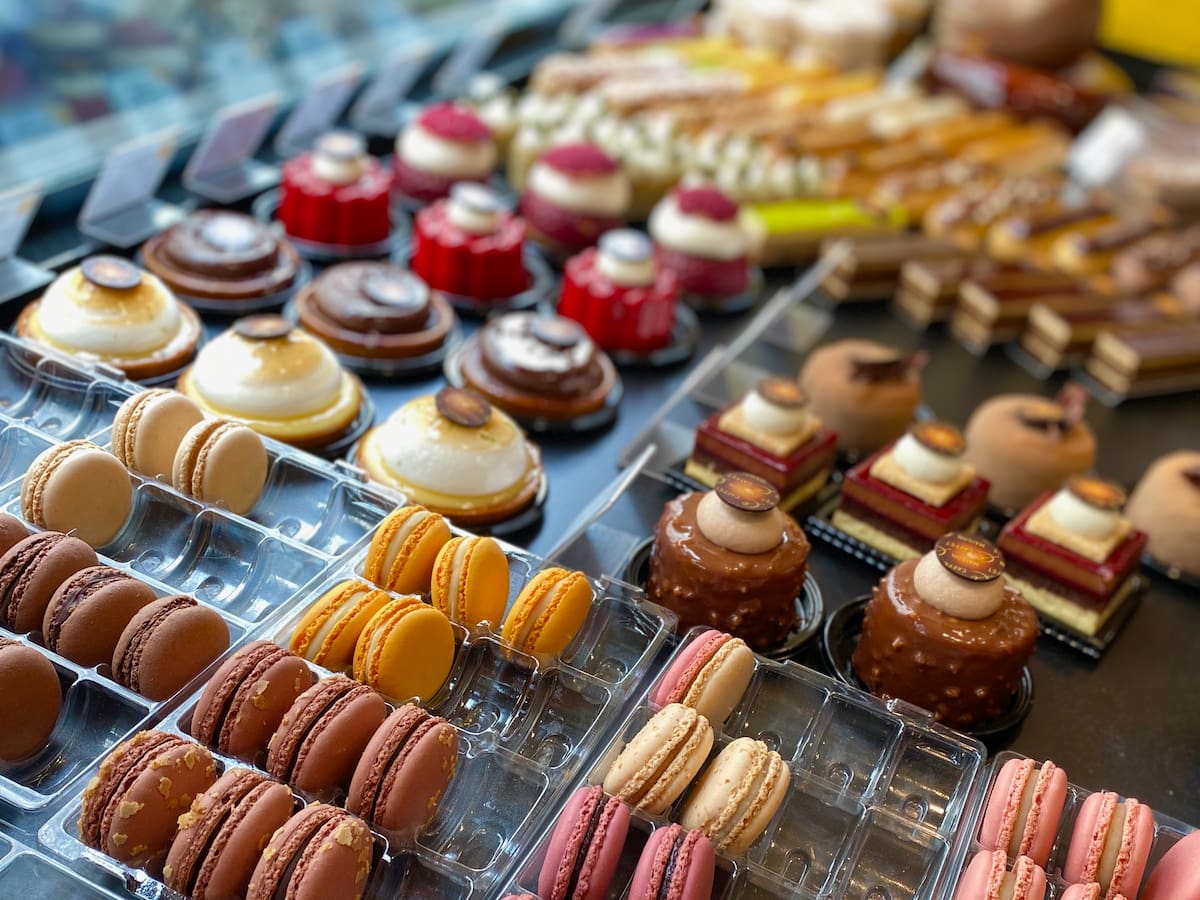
<point x="517" y="351"/>
<point x="353" y="295"/>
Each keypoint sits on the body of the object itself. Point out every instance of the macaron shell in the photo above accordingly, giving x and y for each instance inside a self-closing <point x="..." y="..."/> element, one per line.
<point x="30" y="701"/>
<point x="12" y="530"/>
<point x="402" y="560"/>
<point x="718" y="684"/>
<point x="690" y="877"/>
<point x="229" y="467"/>
<point x="738" y="795"/>
<point x="167" y="644"/>
<point x="576" y="844"/>
<point x="471" y="581"/>
<point x="89" y="611"/>
<point x="983" y="877"/>
<point x="32" y="570"/>
<point x="234" y="854"/>
<point x="406" y="651"/>
<point x="148" y="429"/>
<point x="1088" y="838"/>
<point x="662" y="759"/>
<point x="1090" y="891"/>
<point x="329" y="632"/>
<point x="320" y="853"/>
<point x="1177" y="875"/>
<point x="1134" y="852"/>
<point x="1028" y="880"/>
<point x="549" y="612"/>
<point x="687" y="663"/>
<point x="698" y="874"/>
<point x="78" y="487"/>
<point x="123" y="760"/>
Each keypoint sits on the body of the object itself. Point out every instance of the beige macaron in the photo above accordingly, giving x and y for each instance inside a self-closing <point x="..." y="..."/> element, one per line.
<point x="223" y="463"/>
<point x="661" y="760"/>
<point x="148" y="429"/>
<point x="79" y="488"/>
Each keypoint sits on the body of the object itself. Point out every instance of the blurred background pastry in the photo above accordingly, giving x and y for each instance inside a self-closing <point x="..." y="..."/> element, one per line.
<point x="574" y="194"/>
<point x="445" y="144"/>
<point x="1166" y="505"/>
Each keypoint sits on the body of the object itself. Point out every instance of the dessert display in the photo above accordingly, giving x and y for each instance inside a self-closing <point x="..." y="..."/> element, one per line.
<point x="989" y="878"/>
<point x="89" y="611"/>
<point x="30" y="701"/>
<point x="107" y="310"/>
<point x="730" y="559"/>
<point x="1164" y="506"/>
<point x="80" y="488"/>
<point x="710" y="675"/>
<point x="745" y="768"/>
<point x="1110" y="844"/>
<point x="772" y="433"/>
<point x="548" y="612"/>
<point x="334" y="199"/>
<point x="447" y="143"/>
<point x="148" y="428"/>
<point x="320" y="851"/>
<point x="865" y="392"/>
<point x="470" y="581"/>
<point x="1024" y="808"/>
<point x="952" y="610"/>
<point x="574" y="194"/>
<point x="224" y="261"/>
<point x="377" y="316"/>
<point x="166" y="644"/>
<point x="674" y="863"/>
<point x="32" y="571"/>
<point x="661" y="760"/>
<point x="542" y="370"/>
<point x="278" y="380"/>
<point x="454" y="454"/>
<point x="223" y="463"/>
<point x="585" y="848"/>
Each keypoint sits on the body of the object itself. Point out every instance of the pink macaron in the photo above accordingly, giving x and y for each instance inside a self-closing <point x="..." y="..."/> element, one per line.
<point x="988" y="878"/>
<point x="675" y="863"/>
<point x="1091" y="891"/>
<point x="1177" y="875"/>
<point x="1110" y="844"/>
<point x="1024" y="809"/>
<point x="585" y="847"/>
<point x="710" y="674"/>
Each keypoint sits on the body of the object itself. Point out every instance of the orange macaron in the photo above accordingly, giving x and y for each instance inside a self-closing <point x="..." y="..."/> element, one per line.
<point x="404" y="548"/>
<point x="549" y="611"/>
<point x="470" y="581"/>
<point x="329" y="631"/>
<point x="406" y="650"/>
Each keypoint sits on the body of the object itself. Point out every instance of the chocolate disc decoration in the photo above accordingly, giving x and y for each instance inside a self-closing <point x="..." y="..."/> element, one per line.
<point x="1097" y="492"/>
<point x="969" y="557"/>
<point x="397" y="289"/>
<point x="626" y="245"/>
<point x="231" y="233"/>
<point x="1073" y="399"/>
<point x="782" y="392"/>
<point x="557" y="332"/>
<point x="344" y="146"/>
<point x="891" y="367"/>
<point x="940" y="437"/>
<point x="262" y="328"/>
<point x="1192" y="475"/>
<point x="1043" y="415"/>
<point x="465" y="408"/>
<point x="111" y="272"/>
<point x="747" y="492"/>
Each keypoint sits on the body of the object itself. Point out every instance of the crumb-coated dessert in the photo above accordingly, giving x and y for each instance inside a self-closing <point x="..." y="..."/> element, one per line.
<point x="866" y="392"/>
<point x="772" y="433"/>
<point x="279" y="380"/>
<point x="903" y="498"/>
<point x="947" y="633"/>
<point x="375" y="310"/>
<point x="730" y="559"/>
<point x="1166" y="505"/>
<point x="446" y="144"/>
<point x="1025" y="445"/>
<point x="108" y="310"/>
<point x="700" y="239"/>
<point x="573" y="194"/>
<point x="538" y="367"/>
<point x="1072" y="554"/>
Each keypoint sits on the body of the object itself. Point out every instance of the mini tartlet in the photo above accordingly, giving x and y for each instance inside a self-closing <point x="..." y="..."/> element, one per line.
<point x="574" y="193"/>
<point x="452" y="453"/>
<point x="1166" y="505"/>
<point x="279" y="380"/>
<point x="108" y="310"/>
<point x="446" y="144"/>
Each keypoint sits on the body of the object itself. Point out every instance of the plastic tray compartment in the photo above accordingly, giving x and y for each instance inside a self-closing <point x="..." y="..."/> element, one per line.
<point x="31" y="875"/>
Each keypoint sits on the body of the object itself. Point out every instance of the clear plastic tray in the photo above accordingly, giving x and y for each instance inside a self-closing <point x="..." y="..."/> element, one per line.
<point x="26" y="873"/>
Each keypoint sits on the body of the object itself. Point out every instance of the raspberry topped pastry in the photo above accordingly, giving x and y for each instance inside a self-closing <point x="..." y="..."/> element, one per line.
<point x="699" y="238"/>
<point x="445" y="144"/>
<point x="574" y="193"/>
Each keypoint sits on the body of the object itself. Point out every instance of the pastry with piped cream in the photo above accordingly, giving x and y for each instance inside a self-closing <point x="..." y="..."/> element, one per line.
<point x="108" y="310"/>
<point x="446" y="144"/>
<point x="278" y="380"/>
<point x="772" y="433"/>
<point x="948" y="633"/>
<point x="1073" y="554"/>
<point x="573" y="194"/>
<point x="455" y="454"/>
<point x="730" y="559"/>
<point x="1166" y="505"/>
<point x="903" y="498"/>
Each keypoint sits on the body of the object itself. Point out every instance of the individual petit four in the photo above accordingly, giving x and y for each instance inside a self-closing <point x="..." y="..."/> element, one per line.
<point x="404" y="550"/>
<point x="928" y="289"/>
<point x="223" y="463"/>
<point x="573" y="194"/>
<point x="731" y="559"/>
<point x="995" y="308"/>
<point x="30" y="700"/>
<point x="282" y="382"/>
<point x="32" y="571"/>
<point x="335" y="198"/>
<point x="496" y="104"/>
<point x="745" y="768"/>
<point x="1110" y="844"/>
<point x="989" y="878"/>
<point x="1144" y="363"/>
<point x="1024" y="808"/>
<point x="108" y="310"/>
<point x="1030" y="237"/>
<point x="870" y="268"/>
<point x="375" y="312"/>
<point x="1166" y="506"/>
<point x="454" y="454"/>
<point x="771" y="433"/>
<point x="903" y="498"/>
<point x="223" y="257"/>
<point x="710" y="674"/>
<point x="321" y="851"/>
<point x="89" y="611"/>
<point x="1150" y="264"/>
<point x="1057" y="335"/>
<point x="1177" y="874"/>
<point x="660" y="761"/>
<point x="965" y="217"/>
<point x="539" y="368"/>
<point x="675" y="863"/>
<point x="867" y="393"/>
<point x="549" y="611"/>
<point x="788" y="232"/>
<point x="1073" y="555"/>
<point x="328" y="632"/>
<point x="1025" y="445"/>
<point x="148" y="428"/>
<point x="166" y="644"/>
<point x="585" y="847"/>
<point x="78" y="488"/>
<point x="470" y="581"/>
<point x="444" y="145"/>
<point x="1078" y="253"/>
<point x="405" y="650"/>
<point x="948" y="633"/>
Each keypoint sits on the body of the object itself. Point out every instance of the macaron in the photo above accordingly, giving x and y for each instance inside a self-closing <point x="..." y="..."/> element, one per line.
<point x="32" y="570"/>
<point x="148" y="428"/>
<point x="404" y="548"/>
<point x="406" y="650"/>
<point x="548" y="612"/>
<point x="329" y="631"/>
<point x="656" y="766"/>
<point x="322" y="736"/>
<point x="738" y="795"/>
<point x="1024" y="808"/>
<point x="585" y="847"/>
<point x="222" y="835"/>
<point x="246" y="699"/>
<point x="30" y="701"/>
<point x="223" y="463"/>
<point x="12" y="530"/>
<point x="131" y="808"/>
<point x="1110" y="844"/>
<point x="710" y="674"/>
<point x="987" y="878"/>
<point x="166" y="644"/>
<point x="88" y="612"/>
<point x="675" y="863"/>
<point x="404" y="771"/>
<point x="80" y="488"/>
<point x="470" y="581"/>
<point x="1091" y="891"/>
<point x="1177" y="875"/>
<point x="321" y="852"/>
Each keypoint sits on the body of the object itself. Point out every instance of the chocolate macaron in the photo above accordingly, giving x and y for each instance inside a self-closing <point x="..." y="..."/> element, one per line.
<point x="32" y="570"/>
<point x="12" y="530"/>
<point x="321" y="852"/>
<point x="167" y="644"/>
<point x="89" y="611"/>
<point x="30" y="700"/>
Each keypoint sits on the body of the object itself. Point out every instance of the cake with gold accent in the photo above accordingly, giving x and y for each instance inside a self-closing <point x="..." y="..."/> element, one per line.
<point x="772" y="433"/>
<point x="948" y="633"/>
<point x="1166" y="505"/>
<point x="910" y="493"/>
<point x="278" y="380"/>
<point x="1073" y="554"/>
<point x="108" y="310"/>
<point x="730" y="559"/>
<point x="454" y="454"/>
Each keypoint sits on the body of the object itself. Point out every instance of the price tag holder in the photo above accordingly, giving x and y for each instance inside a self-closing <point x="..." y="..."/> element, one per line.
<point x="378" y="108"/>
<point x="584" y="21"/>
<point x="470" y="57"/>
<point x="19" y="277"/>
<point x="223" y="168"/>
<point x="1099" y="153"/>
<point x="121" y="210"/>
<point x="316" y="113"/>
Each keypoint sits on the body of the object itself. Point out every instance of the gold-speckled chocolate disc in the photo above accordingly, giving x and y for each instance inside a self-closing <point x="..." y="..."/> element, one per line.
<point x="747" y="492"/>
<point x="262" y="328"/>
<point x="782" y="392"/>
<point x="969" y="557"/>
<point x="111" y="272"/>
<point x="1097" y="492"/>
<point x="940" y="437"/>
<point x="465" y="408"/>
<point x="554" y="331"/>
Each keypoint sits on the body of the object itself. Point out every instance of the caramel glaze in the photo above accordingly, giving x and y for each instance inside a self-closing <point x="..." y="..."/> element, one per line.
<point x="964" y="671"/>
<point x="751" y="596"/>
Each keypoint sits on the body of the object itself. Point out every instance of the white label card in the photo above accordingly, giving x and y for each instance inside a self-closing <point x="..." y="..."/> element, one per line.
<point x="17" y="209"/>
<point x="131" y="175"/>
<point x="385" y="91"/>
<point x="235" y="135"/>
<point x="318" y="109"/>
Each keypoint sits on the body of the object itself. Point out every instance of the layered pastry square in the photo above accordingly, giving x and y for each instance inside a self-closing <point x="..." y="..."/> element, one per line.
<point x="1073" y="554"/>
<point x="770" y="433"/>
<point x="910" y="493"/>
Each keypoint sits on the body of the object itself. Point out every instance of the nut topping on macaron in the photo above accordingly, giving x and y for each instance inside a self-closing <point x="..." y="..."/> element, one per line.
<point x="465" y="408"/>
